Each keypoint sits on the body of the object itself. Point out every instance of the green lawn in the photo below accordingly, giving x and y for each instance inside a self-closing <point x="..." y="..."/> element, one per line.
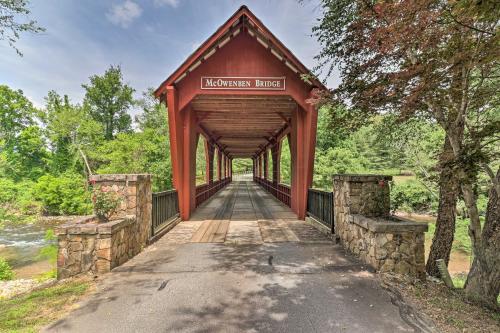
<point x="30" y="312"/>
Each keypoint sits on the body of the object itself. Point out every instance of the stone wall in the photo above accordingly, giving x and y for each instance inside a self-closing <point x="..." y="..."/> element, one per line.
<point x="365" y="227"/>
<point x="87" y="245"/>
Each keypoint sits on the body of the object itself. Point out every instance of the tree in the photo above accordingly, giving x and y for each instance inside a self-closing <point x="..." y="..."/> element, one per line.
<point x="16" y="113"/>
<point x="23" y="150"/>
<point x="28" y="157"/>
<point x="434" y="59"/>
<point x="145" y="151"/>
<point x="10" y="26"/>
<point x="242" y="165"/>
<point x="108" y="100"/>
<point x="154" y="113"/>
<point x="73" y="134"/>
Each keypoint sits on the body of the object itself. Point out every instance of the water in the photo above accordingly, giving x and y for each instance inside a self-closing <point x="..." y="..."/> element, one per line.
<point x="20" y="245"/>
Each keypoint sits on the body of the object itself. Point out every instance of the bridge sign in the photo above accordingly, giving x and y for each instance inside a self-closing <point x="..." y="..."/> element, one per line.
<point x="243" y="83"/>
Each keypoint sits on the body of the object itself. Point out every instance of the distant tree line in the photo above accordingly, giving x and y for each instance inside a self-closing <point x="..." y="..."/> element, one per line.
<point x="47" y="154"/>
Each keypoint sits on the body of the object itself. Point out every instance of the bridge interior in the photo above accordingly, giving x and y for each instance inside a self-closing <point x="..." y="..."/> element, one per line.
<point x="243" y="213"/>
<point x="243" y="125"/>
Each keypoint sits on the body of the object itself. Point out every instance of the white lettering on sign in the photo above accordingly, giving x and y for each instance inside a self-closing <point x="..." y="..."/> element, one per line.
<point x="247" y="83"/>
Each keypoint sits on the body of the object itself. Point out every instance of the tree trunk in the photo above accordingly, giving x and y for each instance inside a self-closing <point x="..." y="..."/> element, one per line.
<point x="483" y="281"/>
<point x="445" y="223"/>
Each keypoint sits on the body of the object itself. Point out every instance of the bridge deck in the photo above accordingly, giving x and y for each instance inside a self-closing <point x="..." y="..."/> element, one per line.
<point x="243" y="213"/>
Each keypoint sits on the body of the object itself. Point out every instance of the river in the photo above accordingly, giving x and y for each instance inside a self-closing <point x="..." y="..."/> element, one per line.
<point x="20" y="245"/>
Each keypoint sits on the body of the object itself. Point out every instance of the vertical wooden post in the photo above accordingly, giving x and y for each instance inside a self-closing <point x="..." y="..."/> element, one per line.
<point x="303" y="141"/>
<point x="294" y="162"/>
<point x="187" y="203"/>
<point x="175" y="132"/>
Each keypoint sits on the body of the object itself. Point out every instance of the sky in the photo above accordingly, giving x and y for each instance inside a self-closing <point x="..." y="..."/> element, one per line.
<point x="149" y="39"/>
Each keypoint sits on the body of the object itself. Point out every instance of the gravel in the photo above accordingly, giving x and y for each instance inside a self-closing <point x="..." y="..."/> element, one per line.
<point x="11" y="288"/>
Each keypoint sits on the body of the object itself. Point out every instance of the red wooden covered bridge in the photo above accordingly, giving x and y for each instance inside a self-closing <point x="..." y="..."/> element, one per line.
<point x="242" y="90"/>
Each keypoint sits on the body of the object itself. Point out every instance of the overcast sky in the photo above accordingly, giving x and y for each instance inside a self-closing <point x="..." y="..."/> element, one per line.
<point x="149" y="39"/>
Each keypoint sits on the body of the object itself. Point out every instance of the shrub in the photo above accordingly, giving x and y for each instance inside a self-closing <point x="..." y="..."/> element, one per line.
<point x="65" y="194"/>
<point x="6" y="272"/>
<point x="411" y="196"/>
<point x="18" y="197"/>
<point x="105" y="203"/>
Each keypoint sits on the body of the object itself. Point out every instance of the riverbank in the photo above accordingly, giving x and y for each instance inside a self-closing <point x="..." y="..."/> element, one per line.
<point x="460" y="256"/>
<point x="31" y="311"/>
<point x="25" y="245"/>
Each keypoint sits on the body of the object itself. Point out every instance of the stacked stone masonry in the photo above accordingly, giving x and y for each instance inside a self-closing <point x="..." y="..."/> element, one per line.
<point x="365" y="227"/>
<point x="87" y="245"/>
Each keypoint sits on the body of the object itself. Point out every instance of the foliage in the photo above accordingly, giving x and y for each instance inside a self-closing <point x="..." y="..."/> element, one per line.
<point x="28" y="313"/>
<point x="105" y="203"/>
<point x="71" y="132"/>
<point x="18" y="196"/>
<point x="22" y="146"/>
<point x="285" y="163"/>
<point x="241" y="165"/>
<point x="64" y="194"/>
<point x="10" y="25"/>
<point x="108" y="99"/>
<point x="28" y="157"/>
<point x="6" y="272"/>
<point x="411" y="196"/>
<point x="48" y="275"/>
<point x="334" y="161"/>
<point x="435" y="60"/>
<point x="16" y="113"/>
<point x="145" y="151"/>
<point x="138" y="152"/>
<point x="45" y="155"/>
<point x="201" y="162"/>
<point x="461" y="241"/>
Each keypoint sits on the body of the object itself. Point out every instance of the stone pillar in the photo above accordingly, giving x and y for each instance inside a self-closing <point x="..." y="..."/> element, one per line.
<point x="365" y="227"/>
<point x="88" y="245"/>
<point x="136" y="193"/>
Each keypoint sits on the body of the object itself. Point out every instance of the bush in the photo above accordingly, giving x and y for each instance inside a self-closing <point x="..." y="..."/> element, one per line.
<point x="411" y="196"/>
<point x="63" y="195"/>
<point x="105" y="203"/>
<point x="17" y="197"/>
<point x="6" y="272"/>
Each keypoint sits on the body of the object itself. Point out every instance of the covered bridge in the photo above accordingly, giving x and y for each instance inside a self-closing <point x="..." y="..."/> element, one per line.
<point x="242" y="89"/>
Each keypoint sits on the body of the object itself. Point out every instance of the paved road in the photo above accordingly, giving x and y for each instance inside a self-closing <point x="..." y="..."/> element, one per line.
<point x="245" y="284"/>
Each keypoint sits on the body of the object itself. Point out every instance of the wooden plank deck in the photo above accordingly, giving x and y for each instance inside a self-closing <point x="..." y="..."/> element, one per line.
<point x="246" y="214"/>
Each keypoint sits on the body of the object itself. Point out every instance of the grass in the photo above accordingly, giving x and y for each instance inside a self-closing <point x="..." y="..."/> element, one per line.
<point x="402" y="179"/>
<point x="459" y="281"/>
<point x="28" y="313"/>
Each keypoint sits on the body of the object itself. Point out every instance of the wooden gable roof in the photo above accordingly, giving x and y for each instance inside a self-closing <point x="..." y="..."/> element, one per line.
<point x="242" y="20"/>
